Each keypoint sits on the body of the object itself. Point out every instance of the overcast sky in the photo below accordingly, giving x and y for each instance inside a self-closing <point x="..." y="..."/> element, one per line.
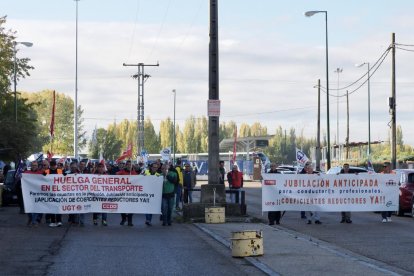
<point x="271" y="57"/>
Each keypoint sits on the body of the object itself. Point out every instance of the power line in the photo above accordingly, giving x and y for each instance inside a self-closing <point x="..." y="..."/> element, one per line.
<point x="385" y="53"/>
<point x="160" y="30"/>
<point x="408" y="50"/>
<point x="133" y="31"/>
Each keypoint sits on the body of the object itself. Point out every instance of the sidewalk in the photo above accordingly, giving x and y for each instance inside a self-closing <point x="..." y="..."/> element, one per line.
<point x="291" y="253"/>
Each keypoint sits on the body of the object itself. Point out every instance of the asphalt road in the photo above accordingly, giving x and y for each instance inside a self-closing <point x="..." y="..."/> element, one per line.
<point x="391" y="243"/>
<point x="180" y="249"/>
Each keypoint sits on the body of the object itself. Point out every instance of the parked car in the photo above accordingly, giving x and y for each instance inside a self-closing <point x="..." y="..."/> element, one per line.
<point x="9" y="189"/>
<point x="406" y="183"/>
<point x="352" y="169"/>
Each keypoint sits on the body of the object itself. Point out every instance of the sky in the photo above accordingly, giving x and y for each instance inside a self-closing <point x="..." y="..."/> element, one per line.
<point x="271" y="57"/>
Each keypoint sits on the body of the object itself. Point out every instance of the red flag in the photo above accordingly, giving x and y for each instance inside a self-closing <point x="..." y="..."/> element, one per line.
<point x="49" y="155"/>
<point x="234" y="145"/>
<point x="102" y="160"/>
<point x="52" y="120"/>
<point x="125" y="154"/>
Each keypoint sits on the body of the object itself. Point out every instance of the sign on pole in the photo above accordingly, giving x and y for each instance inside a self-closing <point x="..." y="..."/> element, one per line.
<point x="213" y="108"/>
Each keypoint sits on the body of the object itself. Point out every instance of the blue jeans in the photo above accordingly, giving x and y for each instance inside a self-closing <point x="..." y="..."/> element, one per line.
<point x="167" y="208"/>
<point x="148" y="217"/>
<point x="178" y="196"/>
<point x="34" y="217"/>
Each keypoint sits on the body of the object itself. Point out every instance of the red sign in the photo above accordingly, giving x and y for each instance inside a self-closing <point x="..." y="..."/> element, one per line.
<point x="109" y="206"/>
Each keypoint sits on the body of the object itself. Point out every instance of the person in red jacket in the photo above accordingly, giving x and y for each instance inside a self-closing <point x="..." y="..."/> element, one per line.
<point x="235" y="179"/>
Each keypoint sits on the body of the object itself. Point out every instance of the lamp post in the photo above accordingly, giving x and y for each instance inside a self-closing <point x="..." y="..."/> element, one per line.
<point x="75" y="109"/>
<point x="27" y="44"/>
<point x="174" y="129"/>
<point x="369" y="107"/>
<point x="328" y="158"/>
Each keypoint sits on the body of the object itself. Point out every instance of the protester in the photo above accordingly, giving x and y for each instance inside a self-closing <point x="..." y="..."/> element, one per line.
<point x="314" y="214"/>
<point x="235" y="179"/>
<point x="274" y="216"/>
<point x="179" y="188"/>
<point x="168" y="191"/>
<point x="34" y="218"/>
<point x="189" y="182"/>
<point x="126" y="170"/>
<point x="100" y="170"/>
<point x="153" y="170"/>
<point x="346" y="216"/>
<point x="55" y="219"/>
<point x="386" y="215"/>
<point x="222" y="172"/>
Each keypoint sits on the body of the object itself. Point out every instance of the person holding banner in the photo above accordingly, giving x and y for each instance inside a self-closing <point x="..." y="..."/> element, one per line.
<point x="55" y="219"/>
<point x="127" y="170"/>
<point x="100" y="170"/>
<point x="346" y="216"/>
<point x="274" y="216"/>
<point x="34" y="218"/>
<point x="153" y="170"/>
<point x="386" y="215"/>
<point x="314" y="214"/>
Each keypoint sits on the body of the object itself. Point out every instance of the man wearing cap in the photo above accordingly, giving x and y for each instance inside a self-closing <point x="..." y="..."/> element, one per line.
<point x="235" y="179"/>
<point x="386" y="215"/>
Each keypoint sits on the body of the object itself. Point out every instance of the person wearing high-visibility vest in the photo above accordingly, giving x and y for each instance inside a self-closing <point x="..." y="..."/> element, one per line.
<point x="152" y="170"/>
<point x="179" y="189"/>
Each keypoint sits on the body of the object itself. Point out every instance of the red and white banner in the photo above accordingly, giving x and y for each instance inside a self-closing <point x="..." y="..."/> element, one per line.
<point x="85" y="193"/>
<point x="330" y="193"/>
<point x="125" y="154"/>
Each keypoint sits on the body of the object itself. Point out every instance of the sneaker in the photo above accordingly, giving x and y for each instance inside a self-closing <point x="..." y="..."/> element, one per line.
<point x="104" y="223"/>
<point x="343" y="220"/>
<point x="309" y="222"/>
<point x="148" y="223"/>
<point x="95" y="222"/>
<point x="384" y="220"/>
<point x="348" y="221"/>
<point x="52" y="224"/>
<point x="59" y="224"/>
<point x="318" y="222"/>
<point x="271" y="223"/>
<point x="122" y="222"/>
<point x="130" y="224"/>
<point x="389" y="219"/>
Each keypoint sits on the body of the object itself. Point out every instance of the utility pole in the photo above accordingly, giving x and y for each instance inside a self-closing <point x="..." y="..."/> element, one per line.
<point x="75" y="108"/>
<point x="338" y="70"/>
<point x="318" y="134"/>
<point x="213" y="94"/>
<point x="141" y="77"/>
<point x="392" y="104"/>
<point x="347" y="125"/>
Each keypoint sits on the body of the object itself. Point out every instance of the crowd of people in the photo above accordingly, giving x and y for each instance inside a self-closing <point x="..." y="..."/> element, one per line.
<point x="178" y="183"/>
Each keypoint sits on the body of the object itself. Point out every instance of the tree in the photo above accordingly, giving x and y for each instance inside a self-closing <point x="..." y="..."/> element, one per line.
<point x="189" y="142"/>
<point x="7" y="55"/>
<point x="244" y="130"/>
<point x="166" y="133"/>
<point x="63" y="139"/>
<point x="151" y="140"/>
<point x="18" y="139"/>
<point x="258" y="130"/>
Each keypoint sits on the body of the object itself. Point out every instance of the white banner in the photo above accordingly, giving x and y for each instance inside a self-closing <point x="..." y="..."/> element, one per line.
<point x="330" y="193"/>
<point x="85" y="193"/>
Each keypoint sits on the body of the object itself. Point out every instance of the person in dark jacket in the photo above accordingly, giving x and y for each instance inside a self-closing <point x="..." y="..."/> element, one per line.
<point x="274" y="216"/>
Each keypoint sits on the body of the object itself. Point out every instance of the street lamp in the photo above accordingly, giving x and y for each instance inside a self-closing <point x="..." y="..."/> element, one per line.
<point x="174" y="130"/>
<point x="27" y="44"/>
<point x="309" y="14"/>
<point x="369" y="107"/>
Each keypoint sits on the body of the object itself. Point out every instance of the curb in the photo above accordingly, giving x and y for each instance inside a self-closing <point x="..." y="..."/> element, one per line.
<point x="254" y="261"/>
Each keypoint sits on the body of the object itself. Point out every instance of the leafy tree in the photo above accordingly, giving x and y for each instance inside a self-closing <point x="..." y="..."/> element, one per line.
<point x="151" y="140"/>
<point x="166" y="133"/>
<point x="189" y="142"/>
<point x="258" y="130"/>
<point x="7" y="55"/>
<point x="201" y="135"/>
<point x="244" y="130"/>
<point x="18" y="139"/>
<point x="63" y="139"/>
